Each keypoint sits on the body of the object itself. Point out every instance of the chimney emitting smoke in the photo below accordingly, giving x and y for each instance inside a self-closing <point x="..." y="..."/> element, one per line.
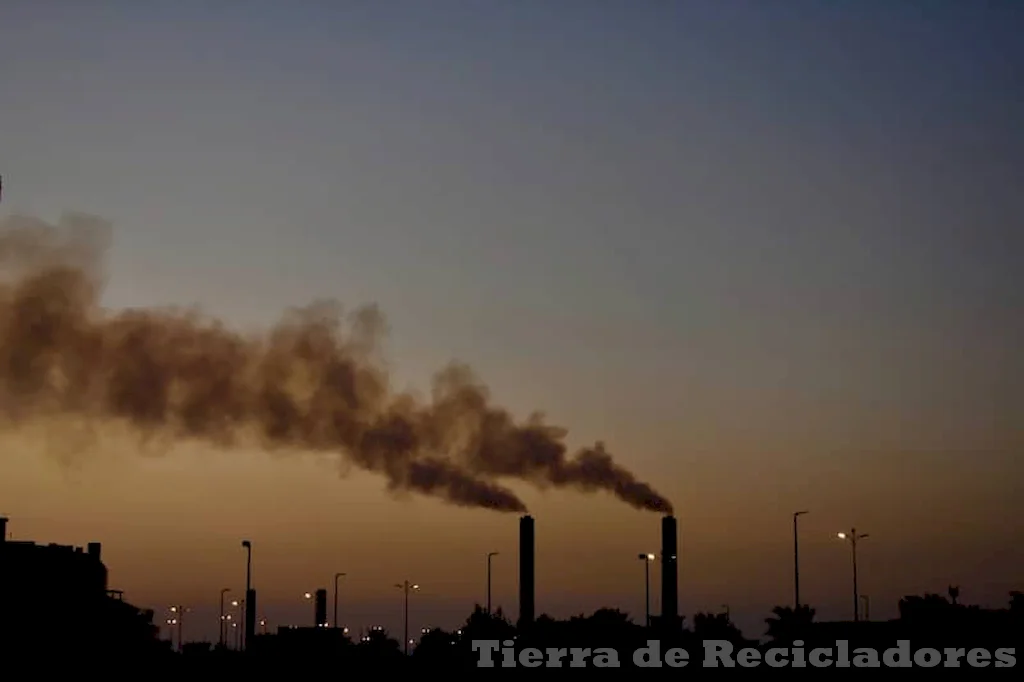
<point x="669" y="572"/>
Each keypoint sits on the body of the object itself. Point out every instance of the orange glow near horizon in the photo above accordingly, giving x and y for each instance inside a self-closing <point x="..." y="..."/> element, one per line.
<point x="170" y="526"/>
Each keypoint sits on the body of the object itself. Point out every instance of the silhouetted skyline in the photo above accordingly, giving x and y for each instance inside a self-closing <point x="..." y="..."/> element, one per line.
<point x="767" y="254"/>
<point x="38" y="582"/>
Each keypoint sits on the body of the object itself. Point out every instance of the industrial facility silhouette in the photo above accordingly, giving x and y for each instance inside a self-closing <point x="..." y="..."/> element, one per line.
<point x="40" y="582"/>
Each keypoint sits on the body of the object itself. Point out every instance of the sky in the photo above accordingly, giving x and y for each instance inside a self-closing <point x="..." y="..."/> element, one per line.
<point x="769" y="253"/>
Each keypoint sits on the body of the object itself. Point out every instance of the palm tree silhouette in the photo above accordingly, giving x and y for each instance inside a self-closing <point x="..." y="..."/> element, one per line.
<point x="787" y="623"/>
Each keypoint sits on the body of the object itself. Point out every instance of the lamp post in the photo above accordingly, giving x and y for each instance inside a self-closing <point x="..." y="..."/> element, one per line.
<point x="247" y="546"/>
<point x="172" y="624"/>
<point x="178" y="619"/>
<point x="222" y="622"/>
<point x="647" y="559"/>
<point x="237" y="605"/>
<point x="867" y="606"/>
<point x="406" y="587"/>
<point x="490" y="555"/>
<point x="852" y="537"/>
<point x="336" y="576"/>
<point x="796" y="560"/>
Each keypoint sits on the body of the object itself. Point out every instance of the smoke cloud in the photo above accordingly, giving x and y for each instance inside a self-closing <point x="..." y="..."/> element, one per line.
<point x="312" y="382"/>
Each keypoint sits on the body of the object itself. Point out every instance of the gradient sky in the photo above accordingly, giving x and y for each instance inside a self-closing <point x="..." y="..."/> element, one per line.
<point x="770" y="253"/>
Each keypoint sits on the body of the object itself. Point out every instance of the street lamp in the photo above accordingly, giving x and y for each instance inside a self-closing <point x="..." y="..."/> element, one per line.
<point x="223" y="626"/>
<point x="406" y="587"/>
<point x="177" y="619"/>
<point x="796" y="560"/>
<point x="647" y="559"/>
<point x="852" y="537"/>
<point x="307" y="596"/>
<point x="336" y="576"/>
<point x="867" y="606"/>
<point x="237" y="605"/>
<point x="171" y="623"/>
<point x="490" y="555"/>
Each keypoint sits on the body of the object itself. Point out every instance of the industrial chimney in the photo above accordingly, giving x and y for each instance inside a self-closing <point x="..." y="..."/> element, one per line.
<point x="526" y="571"/>
<point x="669" y="572"/>
<point x="250" y="616"/>
<point x="321" y="608"/>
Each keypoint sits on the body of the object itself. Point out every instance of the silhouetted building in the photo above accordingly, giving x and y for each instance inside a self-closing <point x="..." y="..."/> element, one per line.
<point x="320" y="615"/>
<point x="526" y="570"/>
<point x="291" y="642"/>
<point x="669" y="572"/>
<point x="57" y="595"/>
<point x="44" y="582"/>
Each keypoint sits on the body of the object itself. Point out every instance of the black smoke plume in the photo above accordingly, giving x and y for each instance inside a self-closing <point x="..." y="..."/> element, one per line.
<point x="312" y="382"/>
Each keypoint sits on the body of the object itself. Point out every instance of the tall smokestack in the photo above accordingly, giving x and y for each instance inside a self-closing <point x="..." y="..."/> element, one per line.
<point x="526" y="571"/>
<point x="250" y="616"/>
<point x="669" y="572"/>
<point x="321" y="608"/>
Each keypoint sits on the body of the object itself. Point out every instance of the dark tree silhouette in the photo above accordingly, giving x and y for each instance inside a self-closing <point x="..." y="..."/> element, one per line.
<point x="928" y="620"/>
<point x="716" y="626"/>
<point x="787" y="624"/>
<point x="379" y="647"/>
<point x="1017" y="603"/>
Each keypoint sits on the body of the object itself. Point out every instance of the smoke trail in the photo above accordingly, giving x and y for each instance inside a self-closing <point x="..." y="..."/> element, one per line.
<point x="312" y="382"/>
<point x="488" y="442"/>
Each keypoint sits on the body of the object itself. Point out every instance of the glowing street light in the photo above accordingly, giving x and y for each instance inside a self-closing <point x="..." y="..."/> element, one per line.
<point x="223" y="625"/>
<point x="407" y="587"/>
<point x="647" y="559"/>
<point x="852" y="537"/>
<point x="177" y="620"/>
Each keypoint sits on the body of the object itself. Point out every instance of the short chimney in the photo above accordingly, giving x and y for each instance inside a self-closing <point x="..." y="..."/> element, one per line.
<point x="321" y="608"/>
<point x="3" y="529"/>
<point x="94" y="550"/>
